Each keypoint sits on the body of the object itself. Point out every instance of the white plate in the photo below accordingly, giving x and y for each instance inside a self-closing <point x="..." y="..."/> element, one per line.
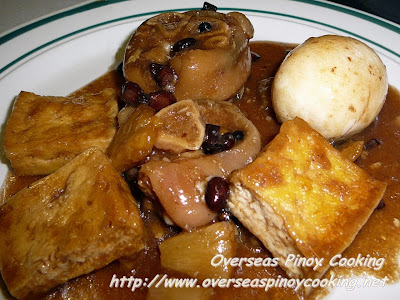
<point x="62" y="52"/>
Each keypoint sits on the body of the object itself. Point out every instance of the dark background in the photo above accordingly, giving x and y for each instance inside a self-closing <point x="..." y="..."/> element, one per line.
<point x="387" y="9"/>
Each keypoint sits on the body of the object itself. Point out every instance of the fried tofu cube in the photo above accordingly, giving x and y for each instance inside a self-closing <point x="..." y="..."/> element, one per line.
<point x="302" y="197"/>
<point x="76" y="220"/>
<point x="43" y="133"/>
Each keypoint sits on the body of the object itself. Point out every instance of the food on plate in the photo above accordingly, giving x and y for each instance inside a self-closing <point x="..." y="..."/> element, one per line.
<point x="43" y="133"/>
<point x="133" y="95"/>
<point x="211" y="204"/>
<point x="201" y="54"/>
<point x="182" y="127"/>
<point x="134" y="139"/>
<point x="179" y="184"/>
<point x="74" y="221"/>
<point x="337" y="84"/>
<point x="218" y="239"/>
<point x="302" y="197"/>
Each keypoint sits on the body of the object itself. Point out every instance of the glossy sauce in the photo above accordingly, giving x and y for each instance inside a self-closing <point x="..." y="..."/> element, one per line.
<point x="378" y="238"/>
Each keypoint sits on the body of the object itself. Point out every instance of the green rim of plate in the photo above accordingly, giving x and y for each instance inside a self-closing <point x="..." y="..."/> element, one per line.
<point x="93" y="5"/>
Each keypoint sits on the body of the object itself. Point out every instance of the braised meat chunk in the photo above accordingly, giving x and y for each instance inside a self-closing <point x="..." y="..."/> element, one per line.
<point x="179" y="184"/>
<point x="195" y="55"/>
<point x="43" y="133"/>
<point x="302" y="197"/>
<point x="74" y="221"/>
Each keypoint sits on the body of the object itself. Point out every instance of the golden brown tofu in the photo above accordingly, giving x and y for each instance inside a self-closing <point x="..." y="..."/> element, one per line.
<point x="43" y="133"/>
<point x="302" y="198"/>
<point x="74" y="221"/>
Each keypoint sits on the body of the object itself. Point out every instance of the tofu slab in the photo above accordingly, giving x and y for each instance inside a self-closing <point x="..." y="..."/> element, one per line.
<point x="74" y="221"/>
<point x="43" y="133"/>
<point x="302" y="197"/>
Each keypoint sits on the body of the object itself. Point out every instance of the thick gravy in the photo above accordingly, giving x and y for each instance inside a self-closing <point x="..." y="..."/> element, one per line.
<point x="379" y="237"/>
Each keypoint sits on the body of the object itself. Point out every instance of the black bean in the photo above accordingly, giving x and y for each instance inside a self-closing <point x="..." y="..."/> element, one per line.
<point x="227" y="140"/>
<point x="208" y="147"/>
<point x="161" y="99"/>
<point x="372" y="143"/>
<point x="238" y="135"/>
<point x="184" y="44"/>
<point x="154" y="68"/>
<point x="254" y="56"/>
<point x="214" y="143"/>
<point x="217" y="193"/>
<point x="164" y="76"/>
<point x="144" y="99"/>
<point x="212" y="132"/>
<point x="204" y="27"/>
<point x="209" y="6"/>
<point x="131" y="93"/>
<point x="211" y="147"/>
<point x="211" y="139"/>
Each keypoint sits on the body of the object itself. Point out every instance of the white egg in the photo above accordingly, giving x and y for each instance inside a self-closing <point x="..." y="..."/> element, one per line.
<point x="337" y="84"/>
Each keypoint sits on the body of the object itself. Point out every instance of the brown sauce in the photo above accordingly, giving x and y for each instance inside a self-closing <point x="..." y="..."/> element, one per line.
<point x="379" y="237"/>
